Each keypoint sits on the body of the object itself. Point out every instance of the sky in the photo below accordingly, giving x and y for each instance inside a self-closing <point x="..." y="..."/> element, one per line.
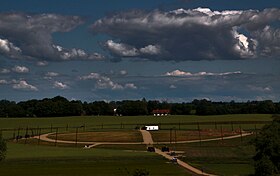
<point x="167" y="50"/>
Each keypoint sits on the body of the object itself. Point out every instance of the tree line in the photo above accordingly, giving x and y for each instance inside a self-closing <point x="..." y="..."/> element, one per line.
<point x="60" y="106"/>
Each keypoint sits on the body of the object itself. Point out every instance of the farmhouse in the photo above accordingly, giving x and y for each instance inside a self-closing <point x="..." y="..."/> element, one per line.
<point x="161" y="112"/>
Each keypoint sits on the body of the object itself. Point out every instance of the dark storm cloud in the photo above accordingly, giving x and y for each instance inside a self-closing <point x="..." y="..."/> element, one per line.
<point x="194" y="34"/>
<point x="29" y="36"/>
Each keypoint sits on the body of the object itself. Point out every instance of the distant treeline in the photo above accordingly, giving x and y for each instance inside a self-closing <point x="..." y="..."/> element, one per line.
<point x="60" y="106"/>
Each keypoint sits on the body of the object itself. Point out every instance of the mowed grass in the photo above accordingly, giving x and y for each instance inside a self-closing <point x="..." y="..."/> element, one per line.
<point x="89" y="123"/>
<point x="98" y="121"/>
<point x="101" y="136"/>
<point x="227" y="157"/>
<point x="34" y="160"/>
<point x="186" y="135"/>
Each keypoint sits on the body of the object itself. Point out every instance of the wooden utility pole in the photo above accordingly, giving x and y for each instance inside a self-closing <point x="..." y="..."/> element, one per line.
<point x="76" y="142"/>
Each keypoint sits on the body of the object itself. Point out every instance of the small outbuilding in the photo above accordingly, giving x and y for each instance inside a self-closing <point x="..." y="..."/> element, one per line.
<point x="151" y="128"/>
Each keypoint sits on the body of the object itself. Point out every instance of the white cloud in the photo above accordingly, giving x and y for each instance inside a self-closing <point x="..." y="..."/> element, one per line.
<point x="121" y="49"/>
<point x="52" y="74"/>
<point x="60" y="85"/>
<point x="130" y="86"/>
<point x="182" y="73"/>
<point x="104" y="82"/>
<point x="150" y="50"/>
<point x="125" y="50"/>
<point x="20" y="69"/>
<point x="3" y="81"/>
<point x="259" y="88"/>
<point x="8" y="47"/>
<point x="23" y="85"/>
<point x="123" y="72"/>
<point x="42" y="63"/>
<point x="4" y="71"/>
<point x="172" y="86"/>
<point x="178" y="73"/>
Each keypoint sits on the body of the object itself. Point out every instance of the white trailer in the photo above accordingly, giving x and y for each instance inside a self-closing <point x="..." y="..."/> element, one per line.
<point x="152" y="128"/>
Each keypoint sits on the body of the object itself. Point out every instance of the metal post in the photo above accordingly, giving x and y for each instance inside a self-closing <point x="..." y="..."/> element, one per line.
<point x="241" y="133"/>
<point x="26" y="134"/>
<point x="256" y="133"/>
<point x="56" y="136"/>
<point x="222" y="135"/>
<point x="18" y="134"/>
<point x="198" y="128"/>
<point x="170" y="135"/>
<point x="39" y="138"/>
<point x="216" y="125"/>
<point x="14" y="134"/>
<point x="76" y="142"/>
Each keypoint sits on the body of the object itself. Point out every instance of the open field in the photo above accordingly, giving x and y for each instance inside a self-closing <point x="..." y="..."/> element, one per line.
<point x="101" y="136"/>
<point x="92" y="123"/>
<point x="227" y="157"/>
<point x="43" y="160"/>
<point x="184" y="135"/>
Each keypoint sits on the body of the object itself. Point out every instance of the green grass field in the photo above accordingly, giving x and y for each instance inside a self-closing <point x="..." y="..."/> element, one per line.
<point x="35" y="160"/>
<point x="92" y="123"/>
<point x="227" y="157"/>
<point x="232" y="157"/>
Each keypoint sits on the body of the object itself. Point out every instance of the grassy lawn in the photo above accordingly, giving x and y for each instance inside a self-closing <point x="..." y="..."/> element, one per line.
<point x="228" y="157"/>
<point x="34" y="160"/>
<point x="95" y="121"/>
<point x="184" y="135"/>
<point x="92" y="123"/>
<point x="102" y="136"/>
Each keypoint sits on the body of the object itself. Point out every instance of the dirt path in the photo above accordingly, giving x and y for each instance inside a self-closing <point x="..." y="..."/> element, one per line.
<point x="147" y="137"/>
<point x="148" y="140"/>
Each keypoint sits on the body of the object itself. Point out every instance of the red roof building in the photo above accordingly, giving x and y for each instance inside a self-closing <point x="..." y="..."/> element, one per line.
<point x="161" y="112"/>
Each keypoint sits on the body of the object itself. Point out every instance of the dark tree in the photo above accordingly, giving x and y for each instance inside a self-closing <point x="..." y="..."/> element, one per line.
<point x="267" y="158"/>
<point x="3" y="149"/>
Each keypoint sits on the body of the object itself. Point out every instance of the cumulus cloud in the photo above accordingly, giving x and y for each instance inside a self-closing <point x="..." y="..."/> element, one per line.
<point x="52" y="74"/>
<point x="124" y="50"/>
<point x="20" y="69"/>
<point x="4" y="71"/>
<point x="60" y="85"/>
<point x="182" y="73"/>
<point x="123" y="72"/>
<point x="23" y="85"/>
<point x="130" y="86"/>
<point x="104" y="82"/>
<point x="3" y="81"/>
<point x="42" y="63"/>
<point x="259" y="88"/>
<point x="29" y="36"/>
<point x="192" y="34"/>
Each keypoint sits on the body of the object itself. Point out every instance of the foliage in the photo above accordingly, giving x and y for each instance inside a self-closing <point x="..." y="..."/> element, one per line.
<point x="60" y="106"/>
<point x="268" y="149"/>
<point x="3" y="149"/>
